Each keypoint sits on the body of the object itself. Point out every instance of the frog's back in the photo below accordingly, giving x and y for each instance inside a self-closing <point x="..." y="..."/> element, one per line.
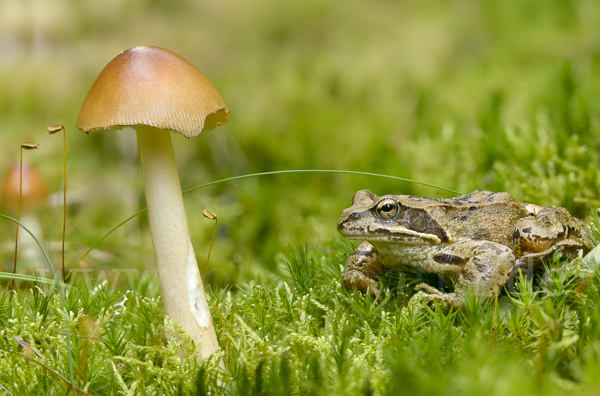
<point x="480" y="215"/>
<point x="481" y="197"/>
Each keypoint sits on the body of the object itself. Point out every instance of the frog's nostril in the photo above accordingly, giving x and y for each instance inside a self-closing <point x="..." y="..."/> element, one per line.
<point x="355" y="215"/>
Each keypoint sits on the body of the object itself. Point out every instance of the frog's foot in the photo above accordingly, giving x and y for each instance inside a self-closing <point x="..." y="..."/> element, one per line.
<point x="545" y="231"/>
<point x="433" y="294"/>
<point x="360" y="268"/>
<point x="358" y="280"/>
<point x="569" y="247"/>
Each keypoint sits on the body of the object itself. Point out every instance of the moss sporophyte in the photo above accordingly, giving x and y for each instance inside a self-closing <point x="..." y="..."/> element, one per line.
<point x="25" y="146"/>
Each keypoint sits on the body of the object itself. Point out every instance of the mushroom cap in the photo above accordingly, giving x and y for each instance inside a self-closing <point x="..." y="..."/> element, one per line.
<point x="35" y="189"/>
<point x="152" y="86"/>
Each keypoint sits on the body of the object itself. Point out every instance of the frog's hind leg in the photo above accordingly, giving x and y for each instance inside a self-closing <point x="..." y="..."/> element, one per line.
<point x="360" y="268"/>
<point x="538" y="236"/>
<point x="486" y="270"/>
<point x="535" y="260"/>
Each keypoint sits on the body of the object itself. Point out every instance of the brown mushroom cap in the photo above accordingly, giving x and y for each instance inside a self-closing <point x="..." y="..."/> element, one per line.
<point x="35" y="189"/>
<point x="152" y="86"/>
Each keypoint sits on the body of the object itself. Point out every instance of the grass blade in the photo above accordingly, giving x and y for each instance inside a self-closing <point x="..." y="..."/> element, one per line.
<point x="34" y="238"/>
<point x="30" y="278"/>
<point x="320" y="171"/>
<point x="269" y="174"/>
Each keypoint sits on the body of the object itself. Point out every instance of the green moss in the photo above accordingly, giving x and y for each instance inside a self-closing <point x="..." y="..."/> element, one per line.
<point x="281" y="338"/>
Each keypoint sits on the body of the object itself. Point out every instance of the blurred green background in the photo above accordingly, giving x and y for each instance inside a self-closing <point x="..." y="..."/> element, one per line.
<point x="463" y="94"/>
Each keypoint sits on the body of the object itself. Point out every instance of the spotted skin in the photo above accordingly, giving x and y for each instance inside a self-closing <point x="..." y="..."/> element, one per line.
<point x="477" y="239"/>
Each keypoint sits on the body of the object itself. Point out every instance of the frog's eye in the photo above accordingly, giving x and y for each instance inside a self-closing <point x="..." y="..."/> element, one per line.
<point x="417" y="222"/>
<point x="387" y="208"/>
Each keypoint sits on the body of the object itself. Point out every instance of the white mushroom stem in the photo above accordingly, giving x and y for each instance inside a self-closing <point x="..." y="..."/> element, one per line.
<point x="180" y="283"/>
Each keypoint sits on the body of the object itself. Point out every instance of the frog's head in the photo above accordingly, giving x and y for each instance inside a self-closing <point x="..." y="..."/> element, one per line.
<point x="389" y="218"/>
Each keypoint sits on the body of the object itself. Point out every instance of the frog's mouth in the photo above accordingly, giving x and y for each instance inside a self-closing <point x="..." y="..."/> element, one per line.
<point x="377" y="233"/>
<point x="361" y="224"/>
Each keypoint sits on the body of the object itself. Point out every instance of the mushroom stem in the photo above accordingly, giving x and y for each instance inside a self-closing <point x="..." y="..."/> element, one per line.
<point x="180" y="283"/>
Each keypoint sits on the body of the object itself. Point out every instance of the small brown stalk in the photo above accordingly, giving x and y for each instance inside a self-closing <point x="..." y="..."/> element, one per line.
<point x="209" y="215"/>
<point x="24" y="146"/>
<point x="52" y="130"/>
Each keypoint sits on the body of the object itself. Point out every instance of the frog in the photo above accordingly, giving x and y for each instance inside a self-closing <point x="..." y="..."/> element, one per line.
<point x="479" y="240"/>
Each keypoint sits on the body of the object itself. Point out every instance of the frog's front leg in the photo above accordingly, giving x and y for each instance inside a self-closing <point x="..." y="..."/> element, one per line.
<point x="486" y="267"/>
<point x="360" y="268"/>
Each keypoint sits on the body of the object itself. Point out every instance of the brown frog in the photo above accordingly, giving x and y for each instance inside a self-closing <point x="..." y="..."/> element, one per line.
<point x="477" y="239"/>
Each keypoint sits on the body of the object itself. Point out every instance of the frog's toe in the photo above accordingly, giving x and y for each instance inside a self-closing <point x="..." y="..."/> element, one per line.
<point x="429" y="289"/>
<point x="429" y="293"/>
<point x="359" y="281"/>
<point x="446" y="299"/>
<point x="418" y="299"/>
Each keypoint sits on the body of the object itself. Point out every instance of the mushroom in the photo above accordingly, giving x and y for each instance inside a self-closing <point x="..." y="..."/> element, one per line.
<point x="156" y="91"/>
<point x="34" y="188"/>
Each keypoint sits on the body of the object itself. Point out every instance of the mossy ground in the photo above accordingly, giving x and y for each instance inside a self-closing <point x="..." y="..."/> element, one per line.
<point x="306" y="333"/>
<point x="501" y="95"/>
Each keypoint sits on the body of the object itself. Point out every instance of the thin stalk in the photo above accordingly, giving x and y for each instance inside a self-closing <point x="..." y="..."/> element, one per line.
<point x="52" y="130"/>
<point x="18" y="215"/>
<point x="267" y="174"/>
<point x="64" y="200"/>
<point x="24" y="146"/>
<point x="320" y="171"/>
<point x="57" y="205"/>
<point x="210" y="215"/>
